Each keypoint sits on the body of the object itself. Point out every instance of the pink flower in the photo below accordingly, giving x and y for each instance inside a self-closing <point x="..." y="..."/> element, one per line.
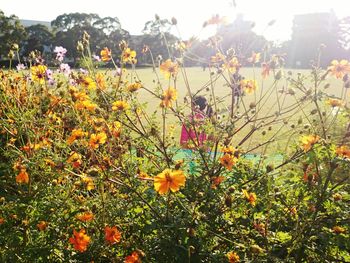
<point x="97" y="58"/>
<point x="65" y="69"/>
<point x="20" y="67"/>
<point x="60" y="53"/>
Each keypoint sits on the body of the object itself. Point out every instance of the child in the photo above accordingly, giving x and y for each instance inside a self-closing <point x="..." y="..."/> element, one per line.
<point x="189" y="132"/>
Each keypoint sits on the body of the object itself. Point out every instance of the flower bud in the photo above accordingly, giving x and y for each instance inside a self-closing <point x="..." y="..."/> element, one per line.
<point x="11" y="54"/>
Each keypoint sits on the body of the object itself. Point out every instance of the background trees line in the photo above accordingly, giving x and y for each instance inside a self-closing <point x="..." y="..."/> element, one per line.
<point x="309" y="32"/>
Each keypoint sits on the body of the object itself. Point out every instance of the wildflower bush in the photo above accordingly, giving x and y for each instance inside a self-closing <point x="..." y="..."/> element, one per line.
<point x="91" y="173"/>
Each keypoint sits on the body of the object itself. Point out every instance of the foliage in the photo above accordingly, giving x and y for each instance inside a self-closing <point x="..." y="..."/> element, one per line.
<point x="89" y="174"/>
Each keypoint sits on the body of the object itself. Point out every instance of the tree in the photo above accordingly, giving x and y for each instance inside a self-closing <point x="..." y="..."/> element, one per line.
<point x="38" y="37"/>
<point x="66" y="22"/>
<point x="240" y="36"/>
<point x="104" y="32"/>
<point x="11" y="31"/>
<point x="310" y="32"/>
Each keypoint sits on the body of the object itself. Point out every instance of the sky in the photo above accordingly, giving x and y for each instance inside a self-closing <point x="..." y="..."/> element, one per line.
<point x="190" y="14"/>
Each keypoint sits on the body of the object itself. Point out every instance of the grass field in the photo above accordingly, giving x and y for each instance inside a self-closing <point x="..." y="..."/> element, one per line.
<point x="200" y="80"/>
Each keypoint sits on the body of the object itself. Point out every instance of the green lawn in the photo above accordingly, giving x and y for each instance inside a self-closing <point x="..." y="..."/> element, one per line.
<point x="199" y="80"/>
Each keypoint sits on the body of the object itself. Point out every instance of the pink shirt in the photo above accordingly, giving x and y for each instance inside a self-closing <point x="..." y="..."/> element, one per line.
<point x="188" y="135"/>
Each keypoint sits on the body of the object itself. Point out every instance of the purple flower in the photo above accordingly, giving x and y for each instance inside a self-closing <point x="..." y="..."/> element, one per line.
<point x="65" y="69"/>
<point x="49" y="77"/>
<point x="60" y="53"/>
<point x="20" y="67"/>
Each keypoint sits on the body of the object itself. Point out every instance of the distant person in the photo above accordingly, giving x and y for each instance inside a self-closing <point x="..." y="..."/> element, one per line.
<point x="190" y="138"/>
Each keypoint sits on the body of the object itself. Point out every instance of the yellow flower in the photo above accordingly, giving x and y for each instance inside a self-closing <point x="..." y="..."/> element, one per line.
<point x="169" y="68"/>
<point x="339" y="68"/>
<point x="97" y="139"/>
<point x="231" y="151"/>
<point x="343" y="151"/>
<point x="251" y="197"/>
<point x="38" y="73"/>
<point x="101" y="83"/>
<point x="232" y="65"/>
<point x="106" y="54"/>
<point x="308" y="141"/>
<point x="134" y="87"/>
<point x="169" y="95"/>
<point x="116" y="129"/>
<point x="120" y="105"/>
<point x="228" y="161"/>
<point x="88" y="83"/>
<point x="128" y="55"/>
<point x="169" y="180"/>
<point x="249" y="85"/>
<point x="89" y="182"/>
<point x="335" y="103"/>
<point x="232" y="257"/>
<point x="22" y="177"/>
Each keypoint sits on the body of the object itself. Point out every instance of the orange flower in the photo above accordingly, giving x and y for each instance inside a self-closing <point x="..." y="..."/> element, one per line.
<point x="335" y="103"/>
<point x="106" y="54"/>
<point x="22" y="177"/>
<point x="215" y="20"/>
<point x="42" y="225"/>
<point x="228" y="161"/>
<point x="169" y="95"/>
<point x="86" y="105"/>
<point x="217" y="58"/>
<point x="2" y="220"/>
<point x="338" y="229"/>
<point x="133" y="258"/>
<point x="74" y="159"/>
<point x="85" y="217"/>
<point x="343" y="151"/>
<point x="216" y="181"/>
<point x="169" y="68"/>
<point x="128" y="55"/>
<point x="255" y="58"/>
<point x="80" y="240"/>
<point x="76" y="134"/>
<point x="249" y="85"/>
<point x="134" y="87"/>
<point x="169" y="180"/>
<point x="112" y="235"/>
<point x="232" y="257"/>
<point x="232" y="65"/>
<point x="339" y="68"/>
<point x="251" y="197"/>
<point x="308" y="141"/>
<point x="97" y="139"/>
<point x="120" y="105"/>
<point x="265" y="70"/>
